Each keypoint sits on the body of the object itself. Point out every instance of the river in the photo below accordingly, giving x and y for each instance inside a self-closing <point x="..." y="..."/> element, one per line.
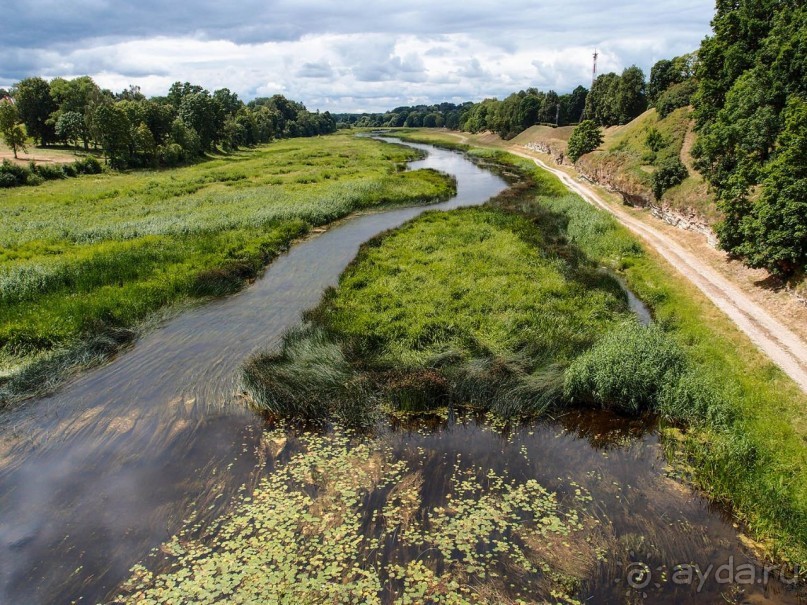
<point x="97" y="474"/>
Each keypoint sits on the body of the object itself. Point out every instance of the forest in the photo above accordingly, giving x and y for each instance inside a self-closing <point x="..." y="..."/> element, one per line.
<point x="135" y="131"/>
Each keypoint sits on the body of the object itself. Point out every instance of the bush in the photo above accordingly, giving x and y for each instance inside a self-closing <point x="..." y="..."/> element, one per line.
<point x="47" y="172"/>
<point x="585" y="138"/>
<point x="7" y="180"/>
<point x="669" y="173"/>
<point x="69" y="170"/>
<point x="626" y="370"/>
<point x="13" y="174"/>
<point x="171" y="154"/>
<point x="677" y="95"/>
<point x="89" y="165"/>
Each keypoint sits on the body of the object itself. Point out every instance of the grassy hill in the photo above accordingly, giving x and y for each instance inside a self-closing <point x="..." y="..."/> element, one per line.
<point x="626" y="163"/>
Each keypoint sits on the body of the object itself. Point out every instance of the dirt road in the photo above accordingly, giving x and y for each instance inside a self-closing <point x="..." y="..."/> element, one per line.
<point x="778" y="342"/>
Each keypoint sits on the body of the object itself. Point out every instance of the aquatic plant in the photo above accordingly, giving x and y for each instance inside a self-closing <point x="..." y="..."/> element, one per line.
<point x="341" y="520"/>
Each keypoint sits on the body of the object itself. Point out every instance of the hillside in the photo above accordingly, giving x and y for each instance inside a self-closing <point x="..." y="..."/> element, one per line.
<point x="625" y="163"/>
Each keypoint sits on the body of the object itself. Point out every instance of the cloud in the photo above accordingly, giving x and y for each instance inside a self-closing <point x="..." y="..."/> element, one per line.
<point x="315" y="70"/>
<point x="344" y="56"/>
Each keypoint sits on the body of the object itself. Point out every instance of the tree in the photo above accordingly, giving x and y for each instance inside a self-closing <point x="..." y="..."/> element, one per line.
<point x="112" y="131"/>
<point x="585" y="138"/>
<point x="777" y="222"/>
<point x="35" y="104"/>
<point x="601" y="102"/>
<point x="662" y="76"/>
<point x="70" y="127"/>
<point x="752" y="79"/>
<point x="196" y="110"/>
<point x="631" y="99"/>
<point x="73" y="95"/>
<point x="11" y="130"/>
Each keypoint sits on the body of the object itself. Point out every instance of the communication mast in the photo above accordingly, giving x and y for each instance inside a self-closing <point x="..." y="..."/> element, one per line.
<point x="593" y="78"/>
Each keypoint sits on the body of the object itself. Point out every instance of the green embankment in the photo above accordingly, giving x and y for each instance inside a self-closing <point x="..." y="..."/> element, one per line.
<point x="83" y="261"/>
<point x="503" y="308"/>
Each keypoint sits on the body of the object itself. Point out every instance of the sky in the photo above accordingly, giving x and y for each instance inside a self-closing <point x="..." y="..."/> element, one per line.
<point x="345" y="55"/>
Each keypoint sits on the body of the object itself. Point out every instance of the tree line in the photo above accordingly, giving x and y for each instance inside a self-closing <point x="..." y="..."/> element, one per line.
<point x="507" y="117"/>
<point x="135" y="131"/>
<point x="439" y="115"/>
<point x="751" y="117"/>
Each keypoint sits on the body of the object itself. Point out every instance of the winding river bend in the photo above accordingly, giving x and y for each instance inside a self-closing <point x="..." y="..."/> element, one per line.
<point x="95" y="476"/>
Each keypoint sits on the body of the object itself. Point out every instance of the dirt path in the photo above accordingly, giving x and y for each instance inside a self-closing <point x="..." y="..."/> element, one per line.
<point x="779" y="343"/>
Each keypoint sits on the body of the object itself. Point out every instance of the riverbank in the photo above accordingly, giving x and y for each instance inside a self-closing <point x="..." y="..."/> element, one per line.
<point x="86" y="262"/>
<point x="747" y="447"/>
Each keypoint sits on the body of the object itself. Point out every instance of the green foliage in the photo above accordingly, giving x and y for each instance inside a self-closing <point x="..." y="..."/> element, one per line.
<point x="654" y="140"/>
<point x="749" y="73"/>
<point x="70" y="127"/>
<point x="676" y="96"/>
<point x="14" y="175"/>
<point x="669" y="173"/>
<point x="775" y="227"/>
<point x="669" y="73"/>
<point x="626" y="370"/>
<point x="12" y="132"/>
<point x="617" y="99"/>
<point x="585" y="138"/>
<point x="137" y="132"/>
<point x="507" y="117"/>
<point x="34" y="103"/>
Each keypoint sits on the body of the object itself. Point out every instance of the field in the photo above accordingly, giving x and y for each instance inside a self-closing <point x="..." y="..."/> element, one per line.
<point x="83" y="261"/>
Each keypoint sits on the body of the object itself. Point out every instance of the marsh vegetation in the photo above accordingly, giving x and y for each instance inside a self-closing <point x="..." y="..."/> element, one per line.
<point x="85" y="260"/>
<point x="436" y="314"/>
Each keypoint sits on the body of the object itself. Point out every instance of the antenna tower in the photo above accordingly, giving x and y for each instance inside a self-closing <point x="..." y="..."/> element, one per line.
<point x="594" y="71"/>
<point x="593" y="78"/>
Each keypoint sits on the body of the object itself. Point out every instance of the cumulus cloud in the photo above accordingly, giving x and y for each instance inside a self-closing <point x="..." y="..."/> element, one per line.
<point x="344" y="56"/>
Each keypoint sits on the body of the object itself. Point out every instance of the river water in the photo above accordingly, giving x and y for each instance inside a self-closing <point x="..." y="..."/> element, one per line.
<point x="96" y="475"/>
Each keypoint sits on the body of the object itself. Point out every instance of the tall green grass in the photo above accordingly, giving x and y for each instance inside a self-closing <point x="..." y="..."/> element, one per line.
<point x="468" y="307"/>
<point x="95" y="255"/>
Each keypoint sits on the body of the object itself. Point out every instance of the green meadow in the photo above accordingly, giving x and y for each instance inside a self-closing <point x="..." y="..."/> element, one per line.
<point x="84" y="261"/>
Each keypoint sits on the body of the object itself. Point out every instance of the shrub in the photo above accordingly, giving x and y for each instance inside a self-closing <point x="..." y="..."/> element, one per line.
<point x="89" y="165"/>
<point x="48" y="172"/>
<point x="171" y="154"/>
<point x="677" y="95"/>
<point x="626" y="369"/>
<point x="585" y="139"/>
<point x="69" y="170"/>
<point x="7" y="180"/>
<point x="13" y="171"/>
<point x="669" y="173"/>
